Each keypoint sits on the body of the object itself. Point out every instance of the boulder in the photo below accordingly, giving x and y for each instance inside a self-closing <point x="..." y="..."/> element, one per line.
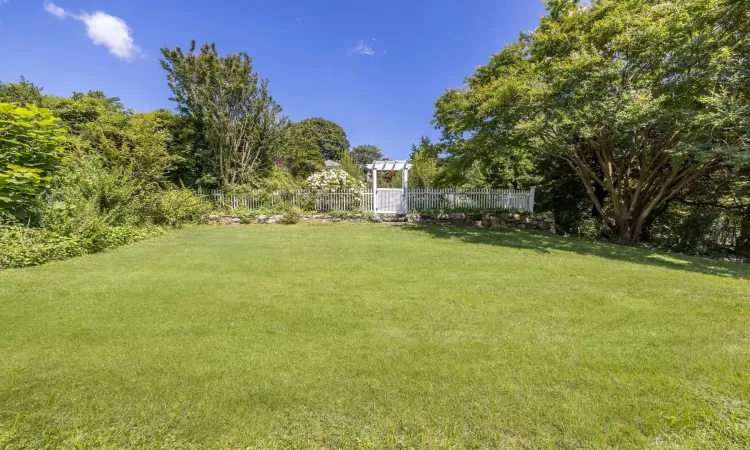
<point x="497" y="222"/>
<point x="227" y="220"/>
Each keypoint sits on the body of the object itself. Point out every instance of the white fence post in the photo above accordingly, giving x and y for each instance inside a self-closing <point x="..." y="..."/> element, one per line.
<point x="531" y="199"/>
<point x="374" y="191"/>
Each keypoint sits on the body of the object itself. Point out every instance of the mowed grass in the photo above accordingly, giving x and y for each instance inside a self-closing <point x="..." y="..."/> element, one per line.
<point x="374" y="336"/>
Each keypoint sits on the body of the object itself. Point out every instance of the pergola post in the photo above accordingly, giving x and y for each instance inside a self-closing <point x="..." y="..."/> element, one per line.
<point x="374" y="191"/>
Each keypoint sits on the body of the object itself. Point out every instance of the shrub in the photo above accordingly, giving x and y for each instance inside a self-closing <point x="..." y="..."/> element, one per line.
<point x="291" y="216"/>
<point x="175" y="208"/>
<point x="87" y="198"/>
<point x="23" y="247"/>
<point x="117" y="236"/>
<point x="31" y="146"/>
<point x="333" y="179"/>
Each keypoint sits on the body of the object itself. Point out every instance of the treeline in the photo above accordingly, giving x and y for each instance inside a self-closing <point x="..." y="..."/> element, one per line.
<point x="632" y="117"/>
<point x="84" y="173"/>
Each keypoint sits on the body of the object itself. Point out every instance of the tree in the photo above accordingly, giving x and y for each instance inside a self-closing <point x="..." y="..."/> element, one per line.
<point x="23" y="93"/>
<point x="31" y="149"/>
<point x="366" y="154"/>
<point x="100" y="126"/>
<point x="327" y="136"/>
<point x="425" y="164"/>
<point x="639" y="98"/>
<point x="242" y="124"/>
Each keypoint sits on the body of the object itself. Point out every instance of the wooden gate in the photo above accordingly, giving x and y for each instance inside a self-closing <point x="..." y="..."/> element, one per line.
<point x="391" y="201"/>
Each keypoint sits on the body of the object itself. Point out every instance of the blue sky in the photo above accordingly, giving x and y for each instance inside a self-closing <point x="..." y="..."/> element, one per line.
<point x="376" y="68"/>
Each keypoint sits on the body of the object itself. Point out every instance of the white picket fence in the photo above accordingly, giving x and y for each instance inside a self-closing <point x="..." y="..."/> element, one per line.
<point x="471" y="199"/>
<point x="418" y="199"/>
<point x="343" y="200"/>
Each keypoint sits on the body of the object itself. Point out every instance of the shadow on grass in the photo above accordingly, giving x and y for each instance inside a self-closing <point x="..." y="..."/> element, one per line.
<point x="545" y="243"/>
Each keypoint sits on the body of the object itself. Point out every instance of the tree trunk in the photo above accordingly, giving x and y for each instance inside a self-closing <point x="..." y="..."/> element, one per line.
<point x="743" y="243"/>
<point x="639" y="189"/>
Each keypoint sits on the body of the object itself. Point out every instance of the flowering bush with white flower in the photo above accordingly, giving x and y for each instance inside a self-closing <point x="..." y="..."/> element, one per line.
<point x="333" y="180"/>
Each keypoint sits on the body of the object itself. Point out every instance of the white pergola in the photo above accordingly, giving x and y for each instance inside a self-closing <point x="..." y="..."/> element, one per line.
<point x="387" y="202"/>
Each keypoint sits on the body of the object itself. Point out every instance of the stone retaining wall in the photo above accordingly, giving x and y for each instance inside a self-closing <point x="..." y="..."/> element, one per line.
<point x="509" y="220"/>
<point x="522" y="221"/>
<point x="279" y="218"/>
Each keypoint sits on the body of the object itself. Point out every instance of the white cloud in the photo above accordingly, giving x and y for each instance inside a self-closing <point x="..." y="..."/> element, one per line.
<point x="363" y="48"/>
<point x="112" y="32"/>
<point x="55" y="10"/>
<point x="103" y="29"/>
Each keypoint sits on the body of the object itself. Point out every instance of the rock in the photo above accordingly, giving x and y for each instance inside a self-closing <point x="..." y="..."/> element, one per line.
<point x="515" y="216"/>
<point x="549" y="220"/>
<point x="262" y="218"/>
<point x="227" y="220"/>
<point x="470" y="222"/>
<point x="497" y="222"/>
<point x="212" y="217"/>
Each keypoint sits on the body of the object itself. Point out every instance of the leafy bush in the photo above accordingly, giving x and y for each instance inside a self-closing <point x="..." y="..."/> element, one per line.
<point x="86" y="198"/>
<point x="175" y="208"/>
<point x="23" y="247"/>
<point x="291" y="216"/>
<point x="31" y="145"/>
<point x="117" y="236"/>
<point x="352" y="214"/>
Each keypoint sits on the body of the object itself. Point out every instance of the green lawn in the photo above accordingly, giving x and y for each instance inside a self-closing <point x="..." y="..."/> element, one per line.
<point x="375" y="336"/>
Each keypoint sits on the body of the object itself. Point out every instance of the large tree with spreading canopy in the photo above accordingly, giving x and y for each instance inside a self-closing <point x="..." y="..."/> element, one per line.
<point x="639" y="97"/>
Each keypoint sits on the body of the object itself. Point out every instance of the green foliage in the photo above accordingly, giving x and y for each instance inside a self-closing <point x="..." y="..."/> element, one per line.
<point x="22" y="93"/>
<point x="301" y="155"/>
<point x="425" y="164"/>
<point x="22" y="247"/>
<point x="240" y="121"/>
<point x="352" y="214"/>
<point x="249" y="215"/>
<point x="279" y="179"/>
<point x="175" y="207"/>
<point x="366" y="154"/>
<point x="87" y="198"/>
<point x="100" y="126"/>
<point x="313" y="141"/>
<point x="31" y="147"/>
<point x="350" y="166"/>
<point x="118" y="236"/>
<point x="291" y="216"/>
<point x="639" y="98"/>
